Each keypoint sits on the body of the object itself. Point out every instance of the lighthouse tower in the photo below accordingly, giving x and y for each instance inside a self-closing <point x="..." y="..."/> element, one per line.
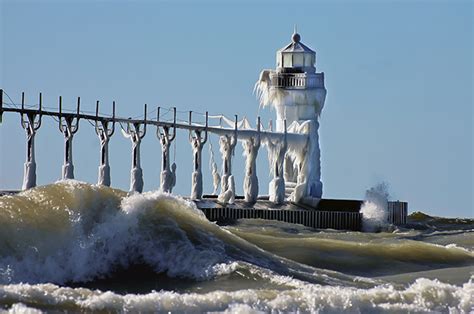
<point x="297" y="93"/>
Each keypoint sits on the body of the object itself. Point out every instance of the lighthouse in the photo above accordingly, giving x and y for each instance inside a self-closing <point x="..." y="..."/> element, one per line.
<point x="296" y="91"/>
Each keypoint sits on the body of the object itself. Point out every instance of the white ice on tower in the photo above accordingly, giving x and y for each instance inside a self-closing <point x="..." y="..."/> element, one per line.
<point x="297" y="93"/>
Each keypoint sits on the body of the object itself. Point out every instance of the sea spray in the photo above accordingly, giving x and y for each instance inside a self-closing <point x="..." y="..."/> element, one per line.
<point x="375" y="208"/>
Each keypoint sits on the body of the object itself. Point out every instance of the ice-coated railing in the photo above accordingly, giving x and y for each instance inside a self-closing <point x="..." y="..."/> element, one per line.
<point x="135" y="129"/>
<point x="297" y="80"/>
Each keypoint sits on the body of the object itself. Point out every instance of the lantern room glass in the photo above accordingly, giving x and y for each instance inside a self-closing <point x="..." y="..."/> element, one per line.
<point x="298" y="60"/>
<point x="287" y="60"/>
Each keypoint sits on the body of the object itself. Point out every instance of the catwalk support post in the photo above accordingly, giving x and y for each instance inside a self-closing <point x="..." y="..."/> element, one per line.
<point x="227" y="146"/>
<point x="277" y="185"/>
<point x="197" y="143"/>
<point x="104" y="131"/>
<point x="136" y="134"/>
<point x="30" y="124"/>
<point x="164" y="134"/>
<point x="251" y="147"/>
<point x="68" y="126"/>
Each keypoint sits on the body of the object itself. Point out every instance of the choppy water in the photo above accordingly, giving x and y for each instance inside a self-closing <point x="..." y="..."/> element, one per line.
<point x="77" y="247"/>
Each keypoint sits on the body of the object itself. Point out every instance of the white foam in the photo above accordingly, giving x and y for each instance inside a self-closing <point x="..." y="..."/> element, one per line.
<point x="423" y="295"/>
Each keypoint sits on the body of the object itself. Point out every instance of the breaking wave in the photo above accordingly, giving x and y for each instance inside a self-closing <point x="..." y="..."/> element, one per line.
<point x="76" y="232"/>
<point x="62" y="246"/>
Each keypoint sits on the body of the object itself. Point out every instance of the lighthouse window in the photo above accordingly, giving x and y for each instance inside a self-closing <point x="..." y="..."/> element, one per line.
<point x="298" y="60"/>
<point x="308" y="60"/>
<point x="287" y="60"/>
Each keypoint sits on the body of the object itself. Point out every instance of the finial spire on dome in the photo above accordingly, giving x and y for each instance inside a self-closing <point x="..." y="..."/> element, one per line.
<point x="296" y="37"/>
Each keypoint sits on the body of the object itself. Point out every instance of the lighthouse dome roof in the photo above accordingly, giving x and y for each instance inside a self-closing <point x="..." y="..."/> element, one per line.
<point x="296" y="45"/>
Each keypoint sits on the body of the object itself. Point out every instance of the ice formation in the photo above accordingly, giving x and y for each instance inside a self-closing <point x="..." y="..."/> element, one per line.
<point x="29" y="179"/>
<point x="228" y="196"/>
<point x="136" y="173"/>
<point x="307" y="173"/>
<point x="167" y="175"/>
<point x="197" y="143"/>
<point x="104" y="168"/>
<point x="68" y="166"/>
<point x="296" y="92"/>
<point x="227" y="145"/>
<point x="251" y="147"/>
<point x="276" y="157"/>
<point x="216" y="177"/>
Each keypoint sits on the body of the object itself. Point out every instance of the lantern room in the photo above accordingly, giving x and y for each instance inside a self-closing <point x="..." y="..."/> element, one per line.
<point x="296" y="57"/>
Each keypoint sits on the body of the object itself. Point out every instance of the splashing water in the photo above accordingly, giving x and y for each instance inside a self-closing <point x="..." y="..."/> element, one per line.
<point x="375" y="208"/>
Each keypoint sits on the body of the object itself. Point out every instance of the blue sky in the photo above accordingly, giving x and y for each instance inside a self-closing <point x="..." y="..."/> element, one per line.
<point x="399" y="78"/>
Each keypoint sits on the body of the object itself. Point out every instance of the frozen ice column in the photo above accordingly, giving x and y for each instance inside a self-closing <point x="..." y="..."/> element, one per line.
<point x="197" y="143"/>
<point x="297" y="93"/>
<point x="104" y="132"/>
<point x="227" y="146"/>
<point x="136" y="134"/>
<point x="31" y="125"/>
<point x="68" y="125"/>
<point x="251" y="147"/>
<point x="168" y="174"/>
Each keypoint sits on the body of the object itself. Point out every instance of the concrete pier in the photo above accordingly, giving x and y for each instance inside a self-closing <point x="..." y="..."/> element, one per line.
<point x="334" y="214"/>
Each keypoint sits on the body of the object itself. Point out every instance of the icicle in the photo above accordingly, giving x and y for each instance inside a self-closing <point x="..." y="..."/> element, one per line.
<point x="216" y="177"/>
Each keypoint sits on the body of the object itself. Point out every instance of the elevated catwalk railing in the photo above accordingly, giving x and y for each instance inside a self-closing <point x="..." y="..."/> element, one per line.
<point x="281" y="204"/>
<point x="136" y="129"/>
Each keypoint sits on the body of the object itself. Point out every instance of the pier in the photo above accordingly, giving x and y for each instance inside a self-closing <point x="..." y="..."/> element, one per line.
<point x="297" y="93"/>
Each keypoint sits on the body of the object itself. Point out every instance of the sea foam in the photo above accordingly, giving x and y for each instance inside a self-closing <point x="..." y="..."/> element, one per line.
<point x="423" y="295"/>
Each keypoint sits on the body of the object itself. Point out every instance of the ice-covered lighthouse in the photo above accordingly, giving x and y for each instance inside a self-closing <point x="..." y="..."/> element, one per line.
<point x="297" y="93"/>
